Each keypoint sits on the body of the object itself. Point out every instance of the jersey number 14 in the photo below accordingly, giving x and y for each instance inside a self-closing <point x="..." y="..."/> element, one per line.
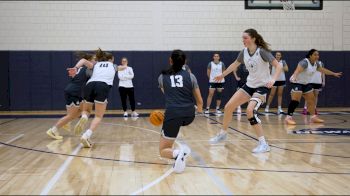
<point x="176" y="81"/>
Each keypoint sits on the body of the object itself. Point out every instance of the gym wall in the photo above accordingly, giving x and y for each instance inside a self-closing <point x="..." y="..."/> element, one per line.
<point x="38" y="39"/>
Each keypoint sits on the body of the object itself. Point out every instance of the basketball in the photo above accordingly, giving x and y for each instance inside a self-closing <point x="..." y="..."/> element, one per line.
<point x="156" y="118"/>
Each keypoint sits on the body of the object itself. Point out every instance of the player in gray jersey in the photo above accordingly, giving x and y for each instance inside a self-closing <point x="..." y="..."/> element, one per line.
<point x="301" y="85"/>
<point x="73" y="95"/>
<point x="180" y="88"/>
<point x="257" y="58"/>
<point x="279" y="84"/>
<point x="215" y="68"/>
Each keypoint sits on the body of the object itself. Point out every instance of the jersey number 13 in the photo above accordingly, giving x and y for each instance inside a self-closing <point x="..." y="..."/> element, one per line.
<point x="176" y="81"/>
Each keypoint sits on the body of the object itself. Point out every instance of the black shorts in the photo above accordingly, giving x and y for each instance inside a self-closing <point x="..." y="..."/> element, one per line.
<point x="96" y="92"/>
<point x="171" y="127"/>
<point x="316" y="86"/>
<point x="280" y="83"/>
<point x="260" y="90"/>
<point x="241" y="83"/>
<point x="72" y="100"/>
<point x="216" y="85"/>
<point x="304" y="88"/>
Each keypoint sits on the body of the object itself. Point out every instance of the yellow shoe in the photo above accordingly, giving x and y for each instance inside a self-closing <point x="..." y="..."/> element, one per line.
<point x="85" y="142"/>
<point x="315" y="119"/>
<point x="53" y="135"/>
<point x="289" y="120"/>
<point x="67" y="127"/>
<point x="80" y="126"/>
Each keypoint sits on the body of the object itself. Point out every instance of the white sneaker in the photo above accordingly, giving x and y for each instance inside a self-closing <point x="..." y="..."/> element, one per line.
<point x="206" y="111"/>
<point x="125" y="114"/>
<point x="180" y="162"/>
<point x="280" y="111"/>
<point x="218" y="111"/>
<point x="187" y="150"/>
<point x="134" y="114"/>
<point x="54" y="135"/>
<point x="239" y="110"/>
<point x="267" y="109"/>
<point x="261" y="148"/>
<point x="220" y="137"/>
<point x="85" y="141"/>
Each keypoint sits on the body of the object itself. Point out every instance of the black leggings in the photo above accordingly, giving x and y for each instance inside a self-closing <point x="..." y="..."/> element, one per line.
<point x="124" y="93"/>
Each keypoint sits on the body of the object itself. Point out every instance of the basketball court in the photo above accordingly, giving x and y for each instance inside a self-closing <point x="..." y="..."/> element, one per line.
<point x="305" y="159"/>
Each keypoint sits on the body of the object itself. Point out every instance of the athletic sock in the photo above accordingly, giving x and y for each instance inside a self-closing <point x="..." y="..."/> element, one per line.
<point x="279" y="107"/>
<point x="222" y="131"/>
<point x="84" y="116"/>
<point x="88" y="133"/>
<point x="262" y="140"/>
<point x="292" y="106"/>
<point x="54" y="129"/>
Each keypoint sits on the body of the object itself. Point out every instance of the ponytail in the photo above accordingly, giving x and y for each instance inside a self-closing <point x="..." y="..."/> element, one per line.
<point x="179" y="58"/>
<point x="259" y="40"/>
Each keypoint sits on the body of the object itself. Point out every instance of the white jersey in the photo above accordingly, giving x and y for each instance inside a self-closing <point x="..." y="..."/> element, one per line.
<point x="216" y="70"/>
<point x="317" y="76"/>
<point x="259" y="70"/>
<point x="103" y="72"/>
<point x="309" y="70"/>
<point x="282" y="76"/>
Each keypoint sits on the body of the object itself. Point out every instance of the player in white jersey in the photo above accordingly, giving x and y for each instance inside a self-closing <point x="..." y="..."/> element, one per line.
<point x="301" y="85"/>
<point x="318" y="81"/>
<point x="96" y="92"/>
<point x="257" y="58"/>
<point x="73" y="95"/>
<point x="215" y="68"/>
<point x="279" y="84"/>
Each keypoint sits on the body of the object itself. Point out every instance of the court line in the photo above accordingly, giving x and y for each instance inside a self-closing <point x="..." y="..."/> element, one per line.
<point x="217" y="181"/>
<point x="60" y="171"/>
<point x="152" y="163"/>
<point x="8" y="121"/>
<point x="159" y="179"/>
<point x="274" y="146"/>
<point x="156" y="181"/>
<point x="12" y="140"/>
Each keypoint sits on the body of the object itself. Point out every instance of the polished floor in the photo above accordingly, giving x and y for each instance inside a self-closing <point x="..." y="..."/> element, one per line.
<point x="125" y="160"/>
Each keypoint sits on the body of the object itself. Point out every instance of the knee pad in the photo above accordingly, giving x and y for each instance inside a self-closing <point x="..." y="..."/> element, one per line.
<point x="255" y="119"/>
<point x="218" y="95"/>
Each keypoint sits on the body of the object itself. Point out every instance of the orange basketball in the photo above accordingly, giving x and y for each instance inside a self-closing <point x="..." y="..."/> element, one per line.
<point x="156" y="118"/>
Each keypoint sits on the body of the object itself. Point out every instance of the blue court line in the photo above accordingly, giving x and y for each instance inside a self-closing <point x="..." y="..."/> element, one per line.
<point x="165" y="164"/>
<point x="287" y="149"/>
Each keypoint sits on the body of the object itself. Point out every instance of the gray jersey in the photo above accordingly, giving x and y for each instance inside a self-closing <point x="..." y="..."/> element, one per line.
<point x="258" y="65"/>
<point x="306" y="75"/>
<point x="178" y="91"/>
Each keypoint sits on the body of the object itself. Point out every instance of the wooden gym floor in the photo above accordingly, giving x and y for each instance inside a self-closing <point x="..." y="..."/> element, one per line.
<point x="124" y="158"/>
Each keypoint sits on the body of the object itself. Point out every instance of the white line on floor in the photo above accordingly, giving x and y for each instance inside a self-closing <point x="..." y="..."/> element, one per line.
<point x="60" y="171"/>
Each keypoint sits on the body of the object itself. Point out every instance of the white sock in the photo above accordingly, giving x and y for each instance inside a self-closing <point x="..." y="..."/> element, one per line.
<point x="88" y="133"/>
<point x="207" y="108"/>
<point x="222" y="131"/>
<point x="279" y="107"/>
<point x="84" y="116"/>
<point x="175" y="153"/>
<point x="54" y="129"/>
<point x="262" y="140"/>
<point x="267" y="106"/>
<point x="239" y="107"/>
<point x="217" y="108"/>
<point x="305" y="107"/>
